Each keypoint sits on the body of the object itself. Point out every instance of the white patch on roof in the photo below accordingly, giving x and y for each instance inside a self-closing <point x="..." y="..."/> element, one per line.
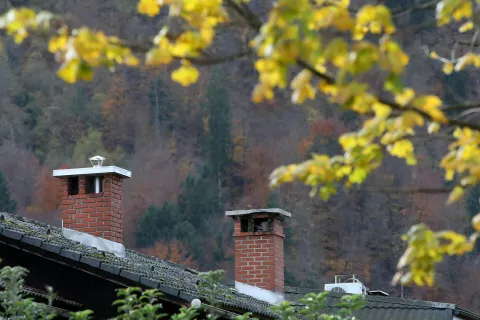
<point x="101" y="244"/>
<point x="259" y="293"/>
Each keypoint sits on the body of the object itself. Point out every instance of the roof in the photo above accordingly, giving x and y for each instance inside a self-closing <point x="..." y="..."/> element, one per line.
<point x="392" y="308"/>
<point x="180" y="281"/>
<point x="92" y="170"/>
<point x="168" y="277"/>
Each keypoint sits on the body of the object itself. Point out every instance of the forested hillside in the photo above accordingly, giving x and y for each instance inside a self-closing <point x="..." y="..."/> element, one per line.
<point x="198" y="151"/>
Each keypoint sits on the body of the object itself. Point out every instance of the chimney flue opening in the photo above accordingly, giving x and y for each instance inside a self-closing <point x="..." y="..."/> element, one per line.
<point x="72" y="186"/>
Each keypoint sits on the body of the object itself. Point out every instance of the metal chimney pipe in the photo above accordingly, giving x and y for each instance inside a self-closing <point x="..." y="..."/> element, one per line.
<point x="97" y="184"/>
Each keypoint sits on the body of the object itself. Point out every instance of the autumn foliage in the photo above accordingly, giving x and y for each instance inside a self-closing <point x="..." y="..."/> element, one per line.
<point x="173" y="251"/>
<point x="325" y="49"/>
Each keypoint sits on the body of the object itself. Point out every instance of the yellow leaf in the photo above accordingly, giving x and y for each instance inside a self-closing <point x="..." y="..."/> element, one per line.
<point x="358" y="175"/>
<point x="433" y="55"/>
<point x="343" y="3"/>
<point x="186" y="74"/>
<point x="433" y="127"/>
<point x="302" y="87"/>
<point x="405" y="97"/>
<point x="381" y="110"/>
<point x="463" y="11"/>
<point x="149" y="7"/>
<point x="20" y="35"/>
<point x="448" y="68"/>
<point x="402" y="148"/>
<point x="449" y="175"/>
<point x="261" y="92"/>
<point x="69" y="70"/>
<point x="466" y="26"/>
<point x="476" y="222"/>
<point x="348" y="141"/>
<point x="207" y="34"/>
<point x="431" y="105"/>
<point x="456" y="194"/>
<point x="57" y="43"/>
<point x="158" y="56"/>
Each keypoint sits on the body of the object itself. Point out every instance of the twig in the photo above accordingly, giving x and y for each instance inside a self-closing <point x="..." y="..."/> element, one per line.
<point x="424" y="6"/>
<point x="425" y="190"/>
<point x="463" y="106"/>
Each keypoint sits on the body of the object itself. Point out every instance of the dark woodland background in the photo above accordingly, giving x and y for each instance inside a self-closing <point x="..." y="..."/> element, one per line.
<point x="196" y="152"/>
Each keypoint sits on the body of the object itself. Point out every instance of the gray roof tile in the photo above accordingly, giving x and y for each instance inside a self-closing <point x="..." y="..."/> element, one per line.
<point x="130" y="275"/>
<point x="15" y="235"/>
<point x="70" y="254"/>
<point x="109" y="268"/>
<point x="33" y="241"/>
<point x="94" y="262"/>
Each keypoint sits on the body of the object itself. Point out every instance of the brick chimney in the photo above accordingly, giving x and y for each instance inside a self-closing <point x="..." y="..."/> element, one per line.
<point x="259" y="254"/>
<point x="92" y="199"/>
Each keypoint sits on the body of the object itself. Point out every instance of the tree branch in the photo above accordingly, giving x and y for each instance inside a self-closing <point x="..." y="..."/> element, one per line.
<point x="424" y="6"/>
<point x="425" y="190"/>
<point x="256" y="24"/>
<point x="467" y="43"/>
<point x="463" y="106"/>
<point x="143" y="47"/>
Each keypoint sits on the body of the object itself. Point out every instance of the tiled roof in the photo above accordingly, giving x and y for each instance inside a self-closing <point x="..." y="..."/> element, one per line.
<point x="391" y="308"/>
<point x="180" y="281"/>
<point x="170" y="278"/>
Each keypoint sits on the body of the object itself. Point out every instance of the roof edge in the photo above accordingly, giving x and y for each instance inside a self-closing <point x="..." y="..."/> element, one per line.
<point x="278" y="211"/>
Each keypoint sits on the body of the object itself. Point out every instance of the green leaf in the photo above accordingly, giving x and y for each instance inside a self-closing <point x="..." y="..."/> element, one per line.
<point x="394" y="84"/>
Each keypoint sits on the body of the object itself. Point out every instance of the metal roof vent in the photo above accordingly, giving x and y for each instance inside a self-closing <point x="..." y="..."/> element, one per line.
<point x="97" y="161"/>
<point x="347" y="284"/>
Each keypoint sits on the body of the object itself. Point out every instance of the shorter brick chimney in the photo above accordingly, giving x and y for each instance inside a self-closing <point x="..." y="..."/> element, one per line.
<point x="92" y="199"/>
<point x="259" y="254"/>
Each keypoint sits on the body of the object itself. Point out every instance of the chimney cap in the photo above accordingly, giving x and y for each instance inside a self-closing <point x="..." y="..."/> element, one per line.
<point x="96" y="161"/>
<point x="275" y="211"/>
<point x="92" y="171"/>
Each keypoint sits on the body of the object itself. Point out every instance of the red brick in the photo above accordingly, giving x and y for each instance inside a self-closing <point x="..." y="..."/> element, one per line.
<point x="259" y="257"/>
<point x="98" y="214"/>
<point x="79" y="225"/>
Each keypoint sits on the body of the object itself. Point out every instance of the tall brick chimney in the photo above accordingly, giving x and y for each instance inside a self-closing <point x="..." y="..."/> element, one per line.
<point x="92" y="199"/>
<point x="259" y="254"/>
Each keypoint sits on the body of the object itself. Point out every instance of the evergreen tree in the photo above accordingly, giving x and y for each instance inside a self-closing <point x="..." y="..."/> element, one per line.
<point x="199" y="200"/>
<point x="157" y="224"/>
<point x="161" y="108"/>
<point x="220" y="144"/>
<point x="219" y="252"/>
<point x="6" y="203"/>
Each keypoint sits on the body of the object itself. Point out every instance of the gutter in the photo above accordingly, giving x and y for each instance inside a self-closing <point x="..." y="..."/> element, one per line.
<point x="468" y="315"/>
